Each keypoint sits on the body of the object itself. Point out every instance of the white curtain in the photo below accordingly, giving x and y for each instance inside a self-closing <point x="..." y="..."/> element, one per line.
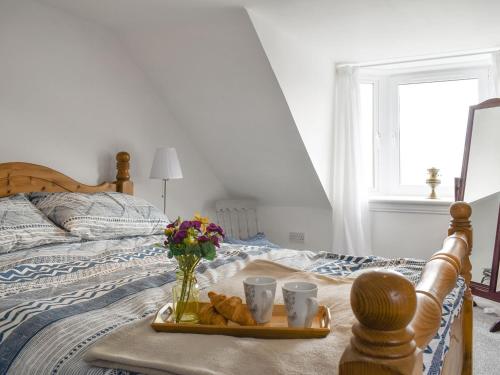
<point x="495" y="76"/>
<point x="351" y="224"/>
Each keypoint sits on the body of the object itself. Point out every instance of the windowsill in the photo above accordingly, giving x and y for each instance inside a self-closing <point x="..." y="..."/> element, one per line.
<point x="410" y="204"/>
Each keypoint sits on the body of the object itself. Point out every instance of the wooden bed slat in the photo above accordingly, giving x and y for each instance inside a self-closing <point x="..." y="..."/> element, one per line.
<point x="396" y="320"/>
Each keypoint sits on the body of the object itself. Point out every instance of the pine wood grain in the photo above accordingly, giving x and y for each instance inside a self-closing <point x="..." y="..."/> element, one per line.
<point x="396" y="320"/>
<point x="277" y="328"/>
<point x="18" y="177"/>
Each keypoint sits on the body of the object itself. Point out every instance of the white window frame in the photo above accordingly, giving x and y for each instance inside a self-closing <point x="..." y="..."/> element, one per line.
<point x="375" y="82"/>
<point x="386" y="146"/>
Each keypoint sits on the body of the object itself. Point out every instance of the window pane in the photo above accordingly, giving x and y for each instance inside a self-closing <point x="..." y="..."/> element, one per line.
<point x="366" y="99"/>
<point x="433" y="122"/>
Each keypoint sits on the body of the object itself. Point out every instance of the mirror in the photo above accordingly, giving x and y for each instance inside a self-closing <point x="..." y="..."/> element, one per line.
<point x="484" y="220"/>
<point x="483" y="170"/>
<point x="479" y="185"/>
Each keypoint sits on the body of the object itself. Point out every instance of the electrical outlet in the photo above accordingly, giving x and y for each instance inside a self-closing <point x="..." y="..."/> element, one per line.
<point x="296" y="237"/>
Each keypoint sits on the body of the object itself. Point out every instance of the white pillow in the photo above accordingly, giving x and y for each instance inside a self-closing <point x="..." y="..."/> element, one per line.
<point x="23" y="226"/>
<point x="101" y="215"/>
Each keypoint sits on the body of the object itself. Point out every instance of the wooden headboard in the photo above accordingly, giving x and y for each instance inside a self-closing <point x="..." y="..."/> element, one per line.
<point x="19" y="177"/>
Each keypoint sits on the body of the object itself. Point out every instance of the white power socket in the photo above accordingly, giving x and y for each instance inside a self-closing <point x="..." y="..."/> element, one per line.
<point x="296" y="237"/>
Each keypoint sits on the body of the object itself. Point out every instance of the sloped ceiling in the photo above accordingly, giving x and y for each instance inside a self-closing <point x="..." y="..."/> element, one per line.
<point x="216" y="79"/>
<point x="207" y="61"/>
<point x="368" y="30"/>
<point x="353" y="30"/>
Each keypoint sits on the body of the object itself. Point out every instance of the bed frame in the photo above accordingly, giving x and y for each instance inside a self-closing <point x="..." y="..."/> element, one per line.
<point x="396" y="320"/>
<point x="21" y="177"/>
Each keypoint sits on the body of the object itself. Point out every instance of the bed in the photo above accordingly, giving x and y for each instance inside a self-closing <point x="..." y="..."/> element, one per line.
<point x="57" y="300"/>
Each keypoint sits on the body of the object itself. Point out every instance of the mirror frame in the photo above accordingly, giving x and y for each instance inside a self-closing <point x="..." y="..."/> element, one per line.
<point x="478" y="289"/>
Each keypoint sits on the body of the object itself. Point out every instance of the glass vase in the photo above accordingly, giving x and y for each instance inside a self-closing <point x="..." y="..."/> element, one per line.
<point x="186" y="297"/>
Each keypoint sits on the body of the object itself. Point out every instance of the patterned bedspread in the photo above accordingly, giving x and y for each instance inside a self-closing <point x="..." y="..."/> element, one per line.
<point x="56" y="301"/>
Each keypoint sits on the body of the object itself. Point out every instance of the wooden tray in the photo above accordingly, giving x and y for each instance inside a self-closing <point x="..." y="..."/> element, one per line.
<point x="277" y="328"/>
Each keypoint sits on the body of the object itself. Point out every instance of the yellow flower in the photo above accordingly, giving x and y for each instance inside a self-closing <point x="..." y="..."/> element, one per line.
<point x="204" y="220"/>
<point x="169" y="231"/>
<point x="191" y="241"/>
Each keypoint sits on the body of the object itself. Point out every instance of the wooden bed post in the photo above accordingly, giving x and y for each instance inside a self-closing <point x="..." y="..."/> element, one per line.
<point x="461" y="213"/>
<point x="383" y="343"/>
<point x="396" y="320"/>
<point x="123" y="183"/>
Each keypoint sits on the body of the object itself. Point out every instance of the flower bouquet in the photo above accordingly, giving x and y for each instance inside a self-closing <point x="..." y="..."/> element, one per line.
<point x="189" y="242"/>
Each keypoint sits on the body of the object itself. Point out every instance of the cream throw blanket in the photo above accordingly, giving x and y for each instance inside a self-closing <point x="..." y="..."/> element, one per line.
<point x="137" y="347"/>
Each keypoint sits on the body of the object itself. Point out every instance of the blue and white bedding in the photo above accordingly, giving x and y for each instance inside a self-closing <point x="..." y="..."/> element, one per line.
<point x="101" y="216"/>
<point x="56" y="301"/>
<point x="22" y="226"/>
<point x="258" y="239"/>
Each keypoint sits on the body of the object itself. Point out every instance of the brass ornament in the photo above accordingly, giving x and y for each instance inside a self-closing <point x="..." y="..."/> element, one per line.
<point x="433" y="181"/>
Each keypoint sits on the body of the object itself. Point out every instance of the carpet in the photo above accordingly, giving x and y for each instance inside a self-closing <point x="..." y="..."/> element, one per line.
<point x="486" y="356"/>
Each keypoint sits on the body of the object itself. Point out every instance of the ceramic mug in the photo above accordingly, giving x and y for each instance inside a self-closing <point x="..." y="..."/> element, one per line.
<point x="301" y="303"/>
<point x="259" y="294"/>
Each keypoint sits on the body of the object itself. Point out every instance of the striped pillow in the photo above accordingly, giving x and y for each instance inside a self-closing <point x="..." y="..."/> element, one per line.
<point x="22" y="226"/>
<point x="101" y="216"/>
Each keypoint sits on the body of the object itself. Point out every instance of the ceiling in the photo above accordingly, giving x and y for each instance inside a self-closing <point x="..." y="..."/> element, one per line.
<point x="205" y="58"/>
<point x="353" y="30"/>
<point x="208" y="65"/>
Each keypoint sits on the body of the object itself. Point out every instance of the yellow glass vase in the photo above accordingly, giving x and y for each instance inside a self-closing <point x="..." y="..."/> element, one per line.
<point x="186" y="297"/>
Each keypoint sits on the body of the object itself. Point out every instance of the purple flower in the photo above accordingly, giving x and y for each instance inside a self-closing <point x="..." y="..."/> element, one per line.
<point x="171" y="225"/>
<point x="190" y="224"/>
<point x="215" y="240"/>
<point x="179" y="236"/>
<point x="214" y="228"/>
<point x="185" y="225"/>
<point x="203" y="239"/>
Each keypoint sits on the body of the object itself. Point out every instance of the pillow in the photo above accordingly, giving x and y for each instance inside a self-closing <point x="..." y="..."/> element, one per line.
<point x="22" y="226"/>
<point x="259" y="239"/>
<point x="101" y="216"/>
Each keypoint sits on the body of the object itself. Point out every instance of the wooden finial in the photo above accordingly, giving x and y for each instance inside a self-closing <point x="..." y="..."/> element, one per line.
<point x="461" y="213"/>
<point x="395" y="296"/>
<point x="460" y="210"/>
<point x="123" y="183"/>
<point x="384" y="303"/>
<point x="122" y="166"/>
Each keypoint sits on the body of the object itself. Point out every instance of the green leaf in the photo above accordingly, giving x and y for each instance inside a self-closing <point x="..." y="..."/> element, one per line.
<point x="208" y="250"/>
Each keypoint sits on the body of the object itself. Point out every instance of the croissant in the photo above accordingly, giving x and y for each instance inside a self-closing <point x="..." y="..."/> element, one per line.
<point x="232" y="309"/>
<point x="208" y="315"/>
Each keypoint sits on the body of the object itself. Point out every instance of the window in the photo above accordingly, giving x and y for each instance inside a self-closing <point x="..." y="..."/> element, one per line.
<point x="416" y="119"/>
<point x="367" y="124"/>
<point x="432" y="126"/>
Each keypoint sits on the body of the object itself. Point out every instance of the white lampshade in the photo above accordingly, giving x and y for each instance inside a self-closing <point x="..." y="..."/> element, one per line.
<point x="166" y="164"/>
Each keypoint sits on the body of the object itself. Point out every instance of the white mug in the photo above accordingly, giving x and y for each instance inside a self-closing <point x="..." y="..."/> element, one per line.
<point x="259" y="294"/>
<point x="301" y="303"/>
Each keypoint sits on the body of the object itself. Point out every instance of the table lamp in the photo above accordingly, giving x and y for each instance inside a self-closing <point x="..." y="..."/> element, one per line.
<point x="165" y="167"/>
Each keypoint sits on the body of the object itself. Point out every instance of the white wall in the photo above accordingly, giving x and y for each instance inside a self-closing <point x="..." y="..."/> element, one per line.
<point x="394" y="234"/>
<point x="306" y="77"/>
<point x="315" y="223"/>
<point x="408" y="234"/>
<point x="71" y="97"/>
<point x="207" y="64"/>
<point x="215" y="77"/>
